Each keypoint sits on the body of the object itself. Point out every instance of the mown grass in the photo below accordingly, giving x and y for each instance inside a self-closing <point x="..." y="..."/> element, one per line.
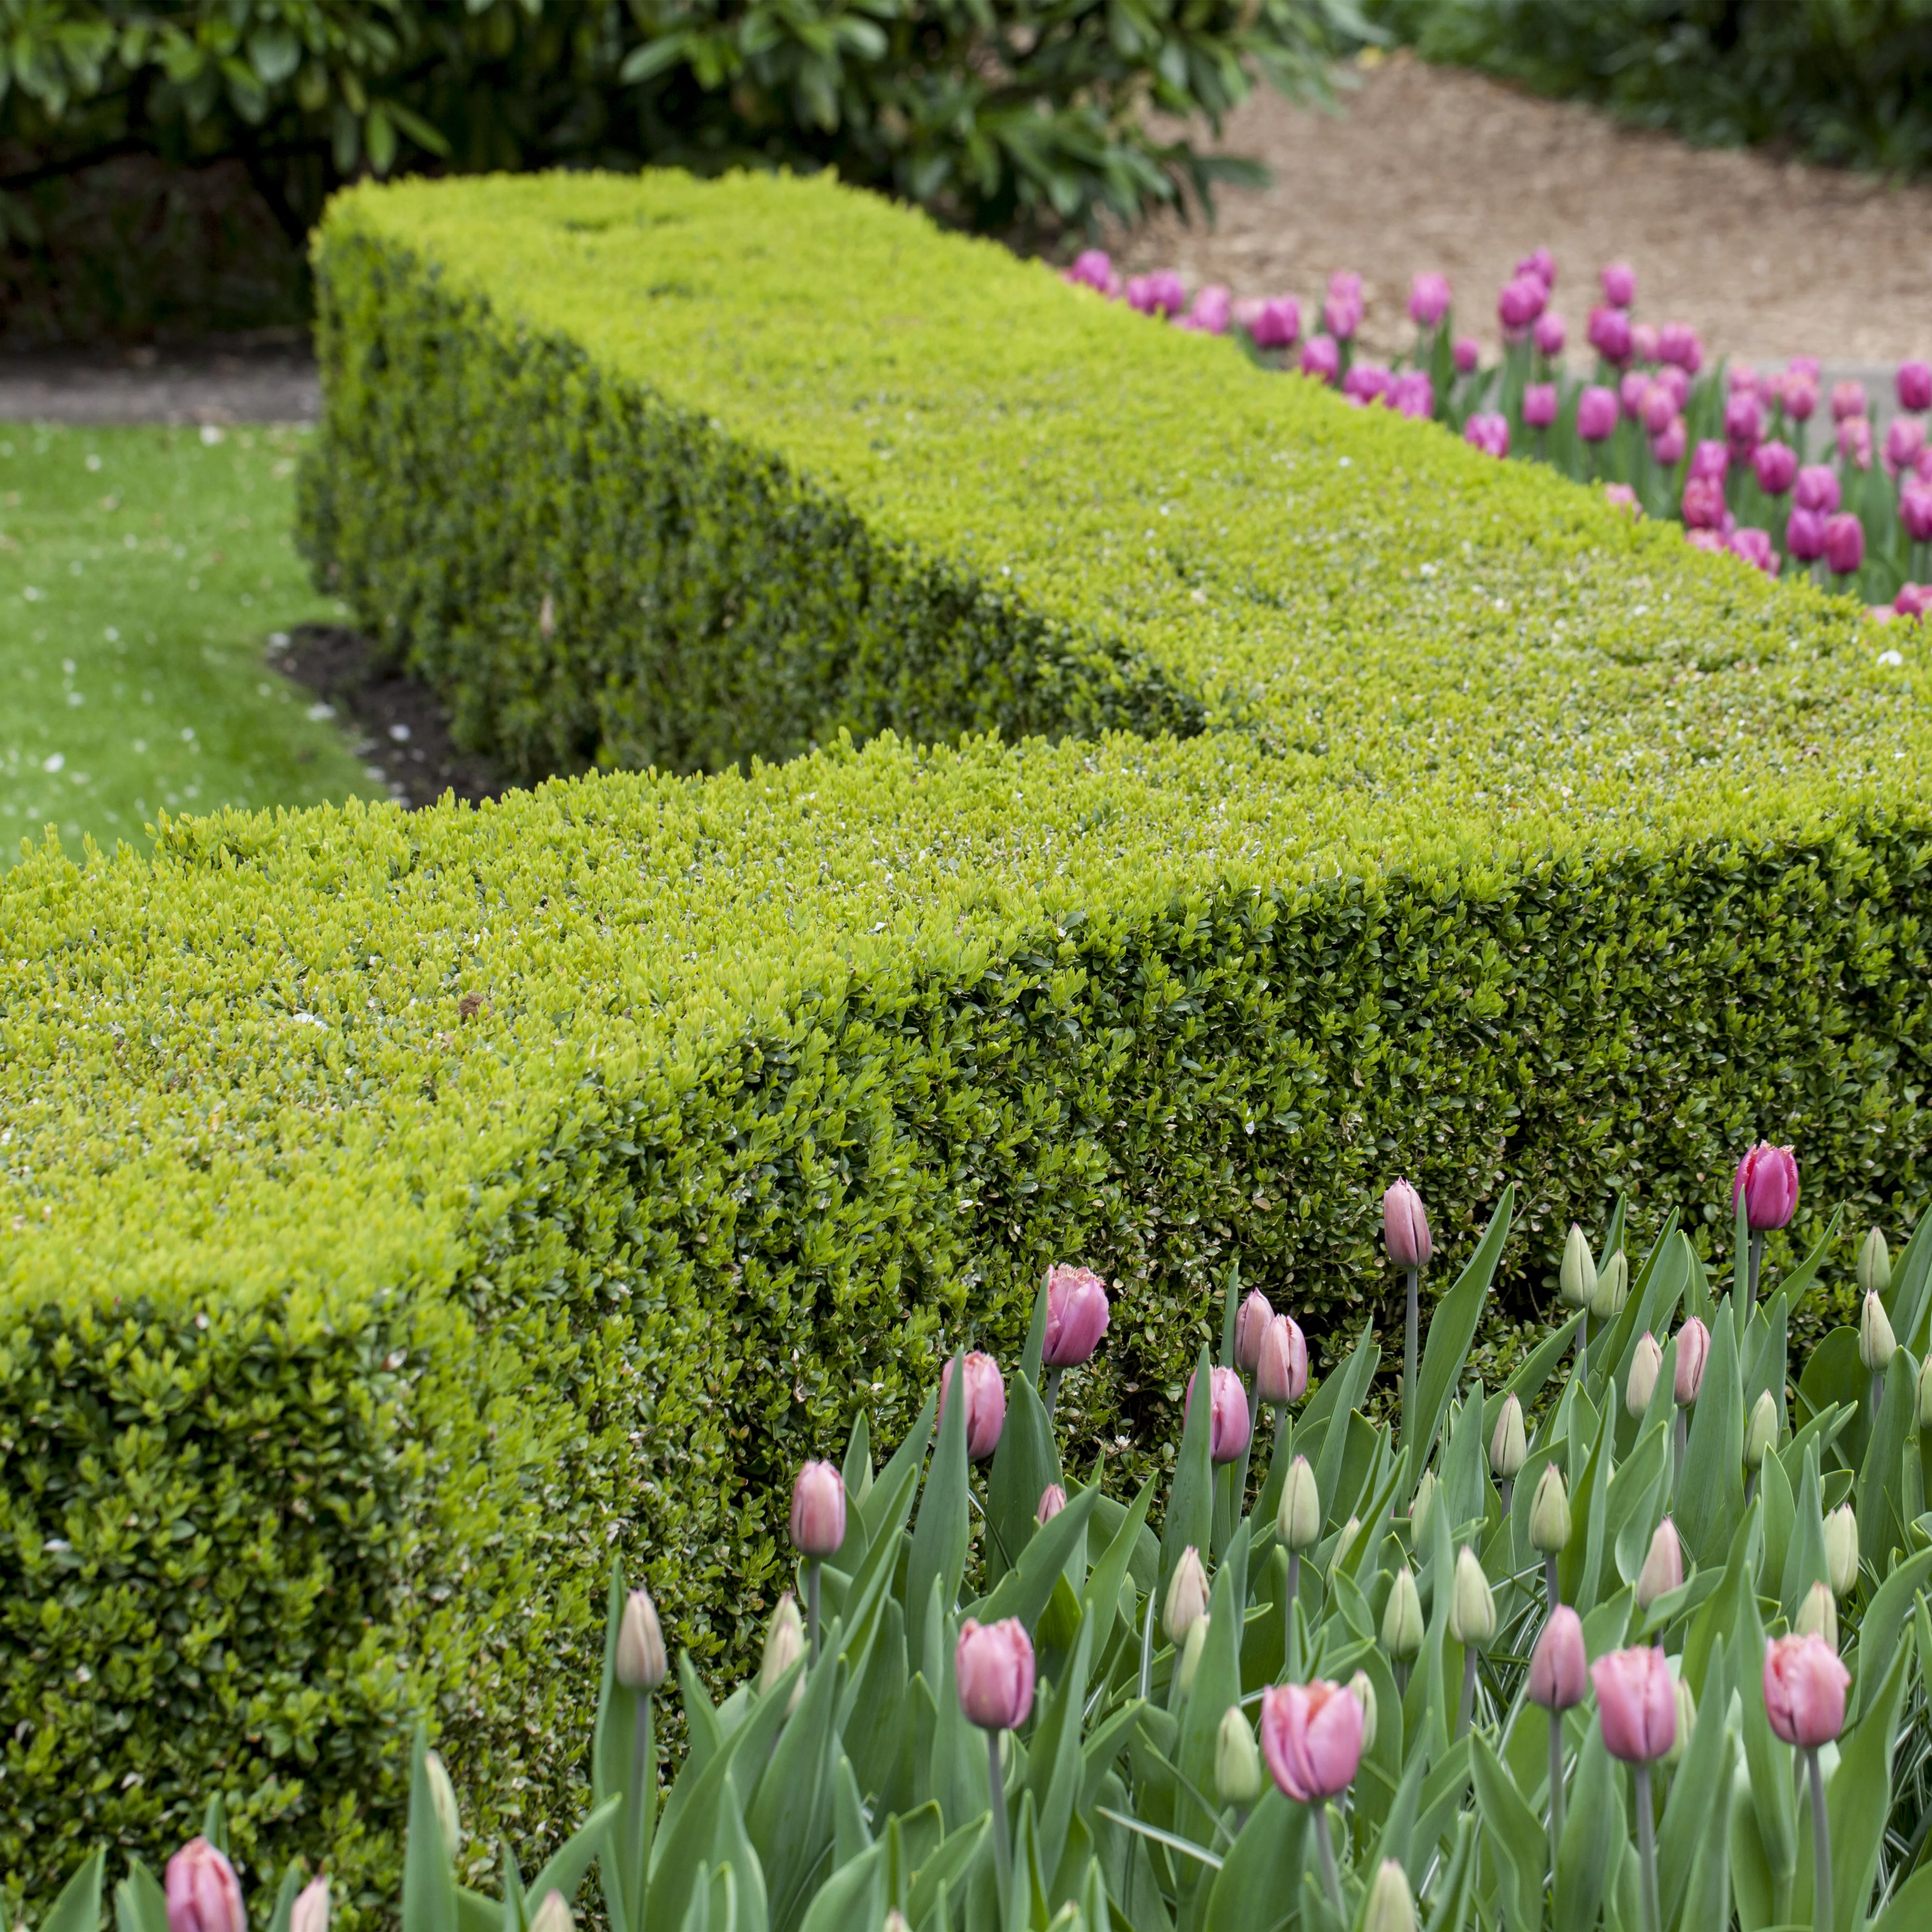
<point x="141" y="572"/>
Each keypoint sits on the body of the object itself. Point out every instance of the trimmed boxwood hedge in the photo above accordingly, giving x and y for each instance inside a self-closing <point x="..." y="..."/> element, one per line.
<point x="400" y="1212"/>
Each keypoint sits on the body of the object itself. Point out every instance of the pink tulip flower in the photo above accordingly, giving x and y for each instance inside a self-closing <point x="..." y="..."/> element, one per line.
<point x="1548" y="334"/>
<point x="818" y="1511"/>
<point x="1668" y="447"/>
<point x="985" y="1403"/>
<point x="1754" y="546"/>
<point x="1915" y="511"/>
<point x="1281" y="1372"/>
<point x="1092" y="268"/>
<point x="993" y="1665"/>
<point x="1251" y="1321"/>
<point x="1766" y="1181"/>
<point x="1558" y="1669"/>
<point x="1744" y="427"/>
<point x="1228" y="1426"/>
<point x="1312" y="1737"/>
<point x="1597" y="414"/>
<point x="202" y="1893"/>
<point x="1848" y="400"/>
<point x="1637" y="1703"/>
<point x="1844" y="543"/>
<point x="1913" y="600"/>
<point x="1709" y="461"/>
<point x="1855" y="441"/>
<point x="1161" y="293"/>
<point x="1806" y="366"/>
<point x="1915" y="385"/>
<point x="1405" y="1227"/>
<point x="1674" y="380"/>
<point x="1366" y="383"/>
<point x="1799" y="393"/>
<point x="1540" y="263"/>
<point x="1817" y="488"/>
<point x="1052" y="1501"/>
<point x="1643" y="342"/>
<point x="1805" y="534"/>
<point x="1342" y="314"/>
<point x="1677" y="342"/>
<point x="1321" y="357"/>
<point x="1346" y="285"/>
<point x="1710" y="540"/>
<point x="1276" y="323"/>
<point x="1619" y="281"/>
<point x="1523" y="298"/>
<point x="1212" y="309"/>
<point x="1632" y="387"/>
<point x="1610" y="335"/>
<point x="1076" y="1316"/>
<point x="1412" y="393"/>
<point x="1777" y="466"/>
<point x="1804" y="1687"/>
<point x="1539" y="405"/>
<point x="1488" y="432"/>
<point x="1658" y="408"/>
<point x="1621" y="496"/>
<point x="1467" y="353"/>
<point x="1742" y="380"/>
<point x="1703" y="506"/>
<point x="1428" y="300"/>
<point x="1693" y="1352"/>
<point x="1904" y="440"/>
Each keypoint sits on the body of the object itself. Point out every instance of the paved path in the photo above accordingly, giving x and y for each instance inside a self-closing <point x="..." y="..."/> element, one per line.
<point x="275" y="385"/>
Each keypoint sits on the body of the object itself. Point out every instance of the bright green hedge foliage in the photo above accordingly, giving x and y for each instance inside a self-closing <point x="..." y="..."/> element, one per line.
<point x="398" y="1213"/>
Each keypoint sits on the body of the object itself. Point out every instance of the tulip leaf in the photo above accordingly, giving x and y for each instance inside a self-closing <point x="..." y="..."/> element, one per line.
<point x="856" y="1469"/>
<point x="854" y="1894"/>
<point x="941" y="1531"/>
<point x="1792" y="1287"/>
<point x="1593" y="1829"/>
<point x="881" y="1499"/>
<point x="1639" y="1493"/>
<point x="1455" y="1890"/>
<point x="1534" y="1370"/>
<point x="1025" y="1591"/>
<point x="1858" y="1802"/>
<point x="1911" y="1906"/>
<point x="1032" y="1357"/>
<point x="1754" y="1889"/>
<point x="1217" y="1683"/>
<point x="1740" y="1282"/>
<point x="564" y="1871"/>
<point x="1190" y="1498"/>
<point x="1579" y="1567"/>
<point x="1026" y="1462"/>
<point x="140" y="1905"/>
<point x="1698" y="1805"/>
<point x="1804" y="1560"/>
<point x="737" y="1857"/>
<point x="1516" y="1833"/>
<point x="1910" y="1294"/>
<point x="946" y="1870"/>
<point x="1260" y="1876"/>
<point x="1654" y="1280"/>
<point x="788" y="1812"/>
<point x="1881" y="1503"/>
<point x="1054" y="1764"/>
<point x="78" y="1907"/>
<point x="1766" y="1355"/>
<point x="1879" y="1629"/>
<point x="1351" y="1383"/>
<point x="1717" y="1619"/>
<point x="1834" y="1374"/>
<point x="1710" y="1488"/>
<point x="1452" y="1327"/>
<point x="958" y="1774"/>
<point x="429" y="1883"/>
<point x="614" y="1758"/>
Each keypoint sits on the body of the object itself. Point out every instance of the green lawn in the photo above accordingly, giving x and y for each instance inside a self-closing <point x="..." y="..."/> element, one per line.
<point x="141" y="572"/>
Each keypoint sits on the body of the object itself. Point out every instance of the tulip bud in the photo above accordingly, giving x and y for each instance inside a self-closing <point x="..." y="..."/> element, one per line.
<point x="1663" y="1569"/>
<point x="1402" y="1617"/>
<point x="1875" y="1338"/>
<point x="1405" y="1227"/>
<point x="1418" y="1510"/>
<point x="993" y="1667"/>
<point x="1687" y="1716"/>
<point x="1576" y="1279"/>
<point x="1251" y="1321"/>
<point x="641" y="1663"/>
<point x="1646" y="1365"/>
<point x="442" y="1798"/>
<point x="1363" y="1692"/>
<point x="1761" y="1434"/>
<point x="1693" y="1352"/>
<point x="1558" y="1669"/>
<point x="1190" y="1653"/>
<point x="1298" y="1521"/>
<point x="309" y="1912"/>
<point x="1052" y="1501"/>
<point x="202" y="1893"/>
<point x="1841" y="1550"/>
<point x="1345" y="1542"/>
<point x="1818" y="1615"/>
<point x="1076" y="1316"/>
<point x="1186" y="1596"/>
<point x="784" y="1645"/>
<point x="1237" y="1759"/>
<point x="1874" y="1264"/>
<point x="1472" y="1604"/>
<point x="553" y="1915"/>
<point x="1925" y="1394"/>
<point x="896" y="1920"/>
<point x="1550" y="1512"/>
<point x="1391" y="1907"/>
<point x="1281" y="1375"/>
<point x="1612" y="1289"/>
<point x="1509" y="1448"/>
<point x="818" y="1511"/>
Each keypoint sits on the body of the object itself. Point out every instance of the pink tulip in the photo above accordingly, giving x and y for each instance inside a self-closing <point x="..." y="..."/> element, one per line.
<point x="1346" y="285"/>
<point x="1281" y="1372"/>
<point x="1674" y="380"/>
<point x="1703" y="506"/>
<point x="1251" y="1321"/>
<point x="1913" y="600"/>
<point x="1693" y="1352"/>
<point x="1596" y="413"/>
<point x="1767" y="1182"/>
<point x="1744" y="427"/>
<point x="1540" y="263"/>
<point x="1915" y="385"/>
<point x="1805" y="534"/>
<point x="1342" y="314"/>
<point x="1160" y="293"/>
<point x="1710" y="540"/>
<point x="1312" y="1737"/>
<point x="1412" y="393"/>
<point x="1915" y="511"/>
<point x="1619" y="281"/>
<point x="1806" y="366"/>
<point x="994" y="1665"/>
<point x="1844" y="543"/>
<point x="1632" y="387"/>
<point x="1777" y="466"/>
<point x="1817" y="488"/>
<point x="1228" y="1414"/>
<point x="1468" y="353"/>
<point x="1548" y="334"/>
<point x="1658" y="407"/>
<point x="1610" y="335"/>
<point x="1848" y="399"/>
<point x="1092" y="267"/>
<point x="1621" y="496"/>
<point x="1488" y="432"/>
<point x="1855" y="441"/>
<point x="1637" y="1703"/>
<point x="1076" y="1316"/>
<point x="1754" y="546"/>
<point x="1405" y="1227"/>
<point x="1366" y="382"/>
<point x="1643" y="342"/>
<point x="1321" y="357"/>
<point x="1213" y="307"/>
<point x="1052" y="1501"/>
<point x="202" y="1893"/>
<point x="1742" y="380"/>
<point x="1804" y="1687"/>
<point x="1710" y="461"/>
<point x="1539" y="405"/>
<point x="985" y="1403"/>
<point x="818" y="1511"/>
<point x="1559" y="1670"/>
<point x="1677" y="342"/>
<point x="1276" y="323"/>
<point x="1904" y="440"/>
<point x="1428" y="300"/>
<point x="1668" y="447"/>
<point x="1799" y="393"/>
<point x="1522" y="300"/>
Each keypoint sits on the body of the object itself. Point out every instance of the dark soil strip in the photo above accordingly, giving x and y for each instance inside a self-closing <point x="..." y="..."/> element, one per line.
<point x="400" y="725"/>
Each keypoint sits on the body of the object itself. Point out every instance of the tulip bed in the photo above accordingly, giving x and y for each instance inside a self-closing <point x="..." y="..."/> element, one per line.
<point x="1639" y="1639"/>
<point x="1724" y="451"/>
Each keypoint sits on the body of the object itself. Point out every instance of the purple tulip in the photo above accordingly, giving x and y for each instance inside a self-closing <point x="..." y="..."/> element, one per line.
<point x="1904" y="442"/>
<point x="1522" y="300"/>
<point x="202" y="1893"/>
<point x="1817" y="488"/>
<point x="1596" y="413"/>
<point x="1710" y="460"/>
<point x="1744" y="427"/>
<point x="1711" y="540"/>
<point x="1805" y="534"/>
<point x="1076" y="1316"/>
<point x="1488" y="432"/>
<point x="1667" y="446"/>
<point x="1643" y="342"/>
<point x="1610" y="335"/>
<point x="1559" y="1671"/>
<point x="1844" y="543"/>
<point x="1848" y="399"/>
<point x="1777" y="466"/>
<point x="1428" y="300"/>
<point x="1619" y="280"/>
<point x="1281" y="1372"/>
<point x="1321" y="357"/>
<point x="1094" y="269"/>
<point x="1468" y="353"/>
<point x="1621" y="496"/>
<point x="1806" y="366"/>
<point x="1674" y="380"/>
<point x="1915" y="510"/>
<point x="1540" y="263"/>
<point x="1677" y="342"/>
<point x="1855" y="441"/>
<point x="1754" y="546"/>
<point x="1742" y="380"/>
<point x="1277" y="322"/>
<point x="1366" y="382"/>
<point x="1548" y="334"/>
<point x="1539" y="405"/>
<point x="1251" y="1321"/>
<point x="1213" y="307"/>
<point x="1161" y="293"/>
<point x="1228" y="1426"/>
<point x="1405" y="1226"/>
<point x="1345" y="284"/>
<point x="1913" y="600"/>
<point x="1342" y="314"/>
<point x="1412" y="393"/>
<point x="1632" y="387"/>
<point x="1658" y="407"/>
<point x="1703" y="506"/>
<point x="1798" y="393"/>
<point x="985" y="1403"/>
<point x="1915" y="385"/>
<point x="993" y="1665"/>
<point x="1766" y="1182"/>
<point x="818" y="1511"/>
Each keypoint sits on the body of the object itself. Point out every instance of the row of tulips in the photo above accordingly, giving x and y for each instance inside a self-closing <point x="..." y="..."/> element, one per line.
<point x="1725" y="450"/>
<point x="1576" y="1651"/>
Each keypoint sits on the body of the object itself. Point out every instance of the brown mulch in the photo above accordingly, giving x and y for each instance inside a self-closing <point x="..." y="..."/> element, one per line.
<point x="1434" y="168"/>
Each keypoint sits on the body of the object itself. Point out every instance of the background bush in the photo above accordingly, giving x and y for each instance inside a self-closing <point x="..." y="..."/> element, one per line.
<point x="1849" y="83"/>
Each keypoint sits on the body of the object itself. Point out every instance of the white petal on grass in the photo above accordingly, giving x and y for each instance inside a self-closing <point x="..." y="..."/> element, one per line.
<point x="318" y="712"/>
<point x="53" y="761"/>
<point x="1891" y="657"/>
<point x="211" y="434"/>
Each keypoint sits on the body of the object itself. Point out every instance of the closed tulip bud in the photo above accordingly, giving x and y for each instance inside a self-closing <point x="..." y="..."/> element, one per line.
<point x="1550" y="1512"/>
<point x="1251" y="1321"/>
<point x="203" y="1894"/>
<point x="896" y="1920"/>
<point x="1612" y="1289"/>
<point x="1391" y="1907"/>
<point x="1559" y="1671"/>
<point x="1052" y="1501"/>
<point x="1874" y="1263"/>
<point x="1237" y="1759"/>
<point x="1804" y="1687"/>
<point x="553" y="1915"/>
<point x="309" y="1912"/>
<point x="818" y="1511"/>
<point x="1509" y="1448"/>
<point x="442" y="1799"/>
<point x="1646" y="1365"/>
<point x="1693" y="1352"/>
<point x="1405" y="1227"/>
<point x="1472" y="1604"/>
<point x="1766" y="1181"/>
<point x="1345" y="1542"/>
<point x="1818" y="1615"/>
<point x="1841" y="1550"/>
<point x="1663" y="1569"/>
<point x="1281" y="1375"/>
<point x="784" y="1645"/>
<point x="1419" y="1509"/>
<point x="1298" y="1520"/>
<point x="1577" y="1276"/>
<point x="1875" y="1338"/>
<point x="1076" y="1316"/>
<point x="1190" y="1654"/>
<point x="1686" y="1718"/>
<point x="1228" y="1426"/>
<point x="641" y="1663"/>
<point x="994" y="1665"/>
<point x="1187" y="1597"/>
<point x="985" y="1402"/>
<point x="1925" y="1394"/>
<point x="1636" y="1703"/>
<point x="1761" y="1432"/>
<point x="1363" y="1692"/>
<point x="1402" y="1619"/>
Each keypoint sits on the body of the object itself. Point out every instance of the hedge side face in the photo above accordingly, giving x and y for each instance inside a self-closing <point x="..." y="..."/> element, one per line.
<point x="399" y="1214"/>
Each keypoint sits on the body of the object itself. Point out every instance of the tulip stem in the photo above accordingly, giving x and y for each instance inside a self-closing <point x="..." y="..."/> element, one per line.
<point x="1552" y="1589"/>
<point x="1288" y="1656"/>
<point x="1555" y="1791"/>
<point x="1583" y="1347"/>
<point x="1409" y="1342"/>
<point x="1331" y="1883"/>
<point x="1754" y="1254"/>
<point x="1646" y="1849"/>
<point x="1002" y="1844"/>
<point x="1508" y="1490"/>
<point x="1678" y="1434"/>
<point x="1821" y="1845"/>
<point x="1466" y="1702"/>
<point x="1052" y="1390"/>
<point x="1877" y="1392"/>
<point x="1751" y="1487"/>
<point x="642" y="1767"/>
<point x="811" y="1604"/>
